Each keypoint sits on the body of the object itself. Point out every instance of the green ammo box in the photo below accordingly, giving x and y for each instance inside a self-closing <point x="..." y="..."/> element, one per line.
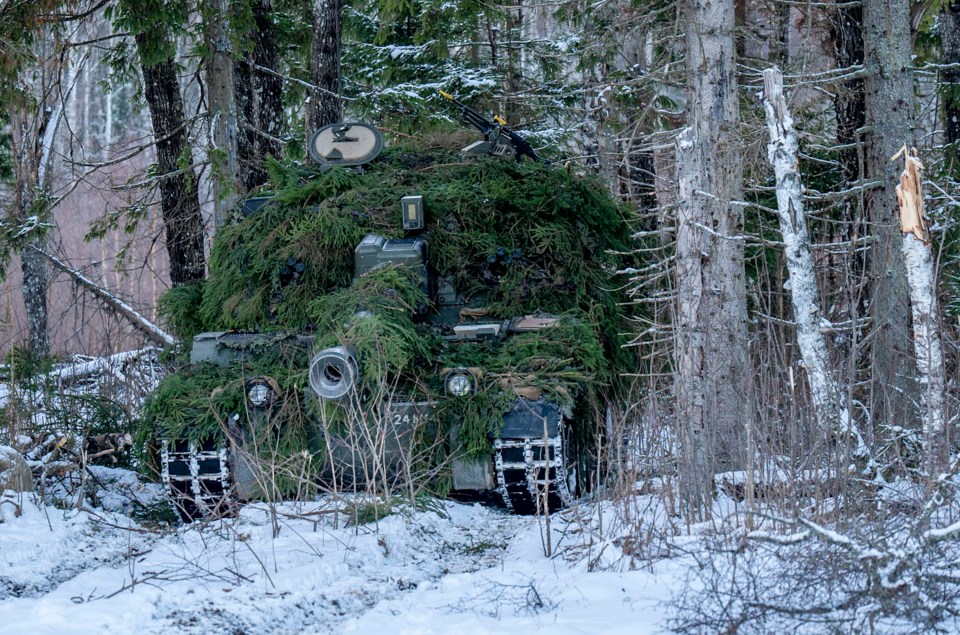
<point x="376" y="251"/>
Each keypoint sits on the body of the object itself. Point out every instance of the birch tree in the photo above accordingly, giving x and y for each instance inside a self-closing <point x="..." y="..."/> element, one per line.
<point x="831" y="414"/>
<point x="712" y="367"/>
<point x="928" y="346"/>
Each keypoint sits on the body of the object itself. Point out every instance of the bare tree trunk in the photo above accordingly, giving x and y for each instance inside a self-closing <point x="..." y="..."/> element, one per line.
<point x="889" y="113"/>
<point x="222" y="111"/>
<point x="846" y="27"/>
<point x="696" y="472"/>
<point x="36" y="285"/>
<point x="927" y="340"/>
<point x="33" y="128"/>
<point x="179" y="202"/>
<point x="713" y="369"/>
<point x="325" y="105"/>
<point x="250" y="171"/>
<point x="511" y="36"/>
<point x="831" y="414"/>
<point x="24" y="127"/>
<point x="259" y="103"/>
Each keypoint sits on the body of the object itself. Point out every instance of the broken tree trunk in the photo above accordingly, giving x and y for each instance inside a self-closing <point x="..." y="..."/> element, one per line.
<point x="148" y="328"/>
<point x="927" y="342"/>
<point x="829" y="409"/>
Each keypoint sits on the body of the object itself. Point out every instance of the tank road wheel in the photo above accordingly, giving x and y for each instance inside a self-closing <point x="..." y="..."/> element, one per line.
<point x="531" y="474"/>
<point x="197" y="476"/>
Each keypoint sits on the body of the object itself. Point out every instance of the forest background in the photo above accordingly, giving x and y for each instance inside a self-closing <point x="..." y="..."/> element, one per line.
<point x="785" y="352"/>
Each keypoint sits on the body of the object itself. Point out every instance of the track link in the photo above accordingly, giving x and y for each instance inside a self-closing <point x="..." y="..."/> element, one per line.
<point x="197" y="476"/>
<point x="531" y="474"/>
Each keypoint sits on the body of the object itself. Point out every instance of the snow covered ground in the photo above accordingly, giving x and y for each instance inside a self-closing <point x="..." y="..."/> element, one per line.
<point x="445" y="568"/>
<point x="302" y="568"/>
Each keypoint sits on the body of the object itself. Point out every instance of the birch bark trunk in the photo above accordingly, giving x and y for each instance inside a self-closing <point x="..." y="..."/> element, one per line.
<point x="927" y="342"/>
<point x="831" y="414"/>
<point x="713" y="371"/>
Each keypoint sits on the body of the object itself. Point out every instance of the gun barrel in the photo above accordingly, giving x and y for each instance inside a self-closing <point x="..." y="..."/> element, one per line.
<point x="469" y="115"/>
<point x="520" y="145"/>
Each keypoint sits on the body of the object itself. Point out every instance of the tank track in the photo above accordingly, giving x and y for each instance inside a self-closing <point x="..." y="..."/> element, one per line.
<point x="197" y="477"/>
<point x="531" y="471"/>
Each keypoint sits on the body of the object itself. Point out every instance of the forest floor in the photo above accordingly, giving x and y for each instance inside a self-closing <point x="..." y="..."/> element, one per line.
<point x="440" y="567"/>
<point x="102" y="551"/>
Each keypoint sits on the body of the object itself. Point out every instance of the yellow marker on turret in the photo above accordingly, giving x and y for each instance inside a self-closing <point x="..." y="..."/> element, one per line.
<point x="496" y="136"/>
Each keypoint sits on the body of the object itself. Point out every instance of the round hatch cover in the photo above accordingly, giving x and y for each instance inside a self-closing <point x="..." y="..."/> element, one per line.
<point x="345" y="144"/>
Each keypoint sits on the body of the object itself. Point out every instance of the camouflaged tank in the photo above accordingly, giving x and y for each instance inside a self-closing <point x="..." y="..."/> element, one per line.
<point x="422" y="321"/>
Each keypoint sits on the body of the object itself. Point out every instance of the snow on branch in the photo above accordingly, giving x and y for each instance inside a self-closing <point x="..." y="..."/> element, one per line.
<point x="148" y="328"/>
<point x="777" y="539"/>
<point x="113" y="364"/>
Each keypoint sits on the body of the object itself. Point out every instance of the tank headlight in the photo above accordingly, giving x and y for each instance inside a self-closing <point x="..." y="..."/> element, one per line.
<point x="260" y="392"/>
<point x="460" y="382"/>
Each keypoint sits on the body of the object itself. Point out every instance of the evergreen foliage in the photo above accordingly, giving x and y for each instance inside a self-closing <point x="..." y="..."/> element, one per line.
<point x="203" y="402"/>
<point x="374" y="316"/>
<point x="180" y="307"/>
<point x="558" y="229"/>
<point x="154" y="21"/>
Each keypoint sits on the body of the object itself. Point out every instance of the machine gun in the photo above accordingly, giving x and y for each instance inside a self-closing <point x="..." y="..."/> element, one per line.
<point x="497" y="138"/>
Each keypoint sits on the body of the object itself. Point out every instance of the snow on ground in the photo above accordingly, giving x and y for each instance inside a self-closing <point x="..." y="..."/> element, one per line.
<point x="446" y="568"/>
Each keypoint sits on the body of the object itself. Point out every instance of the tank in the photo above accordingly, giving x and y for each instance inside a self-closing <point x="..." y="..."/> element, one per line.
<point x="423" y="322"/>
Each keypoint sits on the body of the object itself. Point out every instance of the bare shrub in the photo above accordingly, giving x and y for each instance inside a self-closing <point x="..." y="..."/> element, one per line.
<point x="631" y="517"/>
<point x="892" y="573"/>
<point x="497" y="599"/>
<point x="65" y="417"/>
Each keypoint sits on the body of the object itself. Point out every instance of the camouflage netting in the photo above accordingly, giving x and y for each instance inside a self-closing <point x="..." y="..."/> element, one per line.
<point x="513" y="238"/>
<point x="554" y="227"/>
